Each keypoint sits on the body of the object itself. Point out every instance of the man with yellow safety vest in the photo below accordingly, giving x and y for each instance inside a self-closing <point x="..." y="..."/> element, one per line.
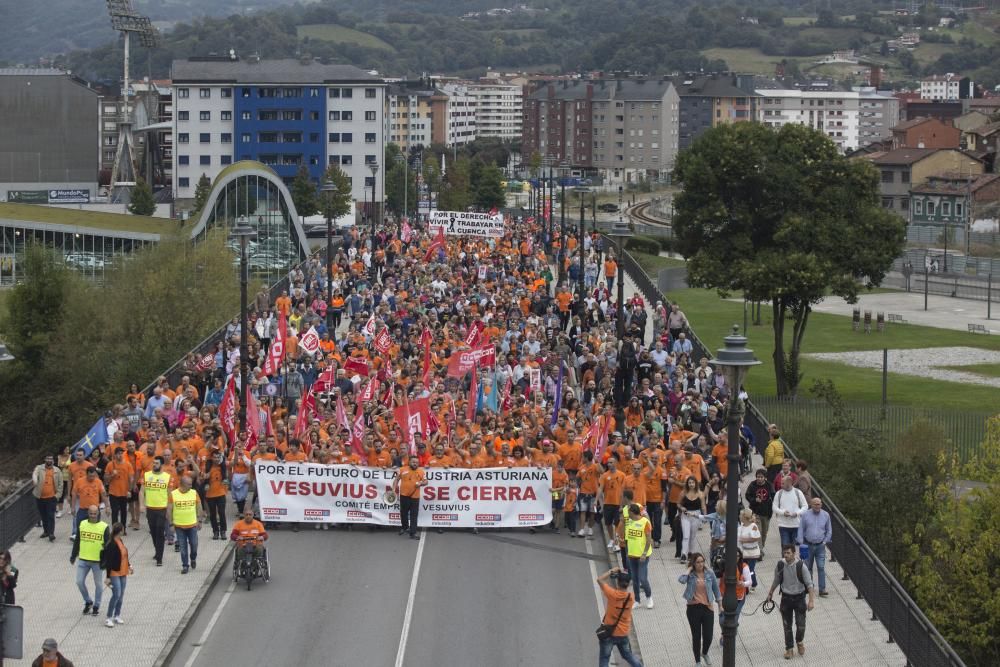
<point x="185" y="514"/>
<point x="92" y="536"/>
<point x="155" y="487"/>
<point x="637" y="531"/>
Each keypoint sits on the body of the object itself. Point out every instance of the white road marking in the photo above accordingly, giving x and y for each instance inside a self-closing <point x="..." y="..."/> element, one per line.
<point x="408" y="616"/>
<point x="211" y="624"/>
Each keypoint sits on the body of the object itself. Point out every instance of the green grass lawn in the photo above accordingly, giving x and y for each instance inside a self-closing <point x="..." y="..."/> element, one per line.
<point x="712" y="319"/>
<point x="331" y="32"/>
<point x="745" y="60"/>
<point x="927" y="52"/>
<point x="986" y="370"/>
<point x="652" y="264"/>
<point x="799" y="20"/>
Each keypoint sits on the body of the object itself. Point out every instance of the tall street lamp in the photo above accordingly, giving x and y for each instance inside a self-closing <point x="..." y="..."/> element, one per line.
<point x="562" y="222"/>
<point x="5" y="355"/>
<point x="620" y="232"/>
<point x="582" y="193"/>
<point x="374" y="168"/>
<point x="329" y="191"/>
<point x="243" y="233"/>
<point x="735" y="359"/>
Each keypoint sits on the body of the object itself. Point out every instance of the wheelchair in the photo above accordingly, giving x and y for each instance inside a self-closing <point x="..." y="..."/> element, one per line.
<point x="258" y="567"/>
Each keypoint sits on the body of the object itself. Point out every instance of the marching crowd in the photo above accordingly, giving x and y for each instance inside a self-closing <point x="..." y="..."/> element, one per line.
<point x="632" y="428"/>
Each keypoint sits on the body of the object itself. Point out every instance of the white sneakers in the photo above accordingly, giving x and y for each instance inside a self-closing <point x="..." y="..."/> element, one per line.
<point x="119" y="620"/>
<point x="590" y="531"/>
<point x="59" y="514"/>
<point x="611" y="544"/>
<point x="635" y="605"/>
<point x="109" y="623"/>
<point x="649" y="603"/>
<point x="579" y="533"/>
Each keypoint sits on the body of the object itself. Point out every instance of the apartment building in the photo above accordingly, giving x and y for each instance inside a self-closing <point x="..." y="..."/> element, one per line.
<point x="458" y="114"/>
<point x="835" y="113"/>
<point x="499" y="109"/>
<point x="409" y="114"/>
<point x="623" y="129"/>
<point x="284" y="113"/>
<point x="949" y="87"/>
<point x="710" y="100"/>
<point x="878" y="112"/>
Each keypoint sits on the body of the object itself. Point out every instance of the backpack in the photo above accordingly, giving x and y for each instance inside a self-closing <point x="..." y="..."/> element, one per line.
<point x="798" y="571"/>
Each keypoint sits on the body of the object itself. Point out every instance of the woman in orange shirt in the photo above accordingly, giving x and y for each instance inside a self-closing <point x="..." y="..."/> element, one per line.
<point x="217" y="476"/>
<point x="118" y="569"/>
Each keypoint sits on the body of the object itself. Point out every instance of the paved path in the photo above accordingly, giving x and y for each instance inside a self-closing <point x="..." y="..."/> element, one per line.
<point x="840" y="632"/>
<point x="943" y="312"/>
<point x="156" y="599"/>
<point x="340" y="598"/>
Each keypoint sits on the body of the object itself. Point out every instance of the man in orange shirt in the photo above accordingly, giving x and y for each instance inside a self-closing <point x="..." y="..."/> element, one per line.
<point x="610" y="271"/>
<point x="119" y="475"/>
<point x="653" y="476"/>
<point x="48" y="486"/>
<point x="612" y="483"/>
<point x="560" y="484"/>
<point x="86" y="492"/>
<point x="406" y="486"/>
<point x="589" y="474"/>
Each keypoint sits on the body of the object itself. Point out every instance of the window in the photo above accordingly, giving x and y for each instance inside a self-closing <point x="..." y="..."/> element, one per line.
<point x="959" y="209"/>
<point x="370" y="93"/>
<point x="227" y="138"/>
<point x="369" y="137"/>
<point x="227" y="115"/>
<point x="946" y="208"/>
<point x="226" y="93"/>
<point x="888" y="177"/>
<point x="204" y="93"/>
<point x="182" y="138"/>
<point x="182" y="93"/>
<point x="245" y="92"/>
<point x="347" y="93"/>
<point x="205" y="160"/>
<point x="347" y="115"/>
<point x="314" y="92"/>
<point x="109" y="156"/>
<point x="204" y="115"/>
<point x="245" y="138"/>
<point x="204" y="138"/>
<point x="346" y="137"/>
<point x="226" y="159"/>
<point x="182" y="115"/>
<point x="347" y="159"/>
<point x="183" y="182"/>
<point x="369" y="115"/>
<point x="246" y="115"/>
<point x="313" y="115"/>
<point x="369" y="159"/>
<point x="931" y="208"/>
<point x="334" y="138"/>
<point x="369" y="181"/>
<point x="904" y="176"/>
<point x="313" y="159"/>
<point x="333" y="159"/>
<point x="904" y="203"/>
<point x="918" y="206"/>
<point x="183" y="159"/>
<point x="334" y="115"/>
<point x="334" y="93"/>
<point x="886" y="202"/>
<point x="291" y="115"/>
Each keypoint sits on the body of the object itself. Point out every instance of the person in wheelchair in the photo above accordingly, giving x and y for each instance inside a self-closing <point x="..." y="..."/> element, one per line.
<point x="249" y="535"/>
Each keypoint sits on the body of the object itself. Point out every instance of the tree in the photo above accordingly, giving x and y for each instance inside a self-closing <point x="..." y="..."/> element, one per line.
<point x="304" y="193"/>
<point x="489" y="192"/>
<point x="432" y="173"/>
<point x="338" y="205"/>
<point x="954" y="555"/>
<point x="201" y="192"/>
<point x="781" y="216"/>
<point x="35" y="306"/>
<point x="400" y="187"/>
<point x="455" y="191"/>
<point x="141" y="201"/>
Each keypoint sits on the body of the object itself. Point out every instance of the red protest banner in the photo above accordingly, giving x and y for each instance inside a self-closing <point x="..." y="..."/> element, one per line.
<point x="355" y="366"/>
<point x="461" y="363"/>
<point x="383" y="341"/>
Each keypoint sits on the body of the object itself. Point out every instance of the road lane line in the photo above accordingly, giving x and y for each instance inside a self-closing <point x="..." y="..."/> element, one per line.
<point x="408" y="616"/>
<point x="211" y="624"/>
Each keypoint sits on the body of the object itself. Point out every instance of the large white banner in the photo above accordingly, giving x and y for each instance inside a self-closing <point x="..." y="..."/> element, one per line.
<point x="455" y="497"/>
<point x="463" y="223"/>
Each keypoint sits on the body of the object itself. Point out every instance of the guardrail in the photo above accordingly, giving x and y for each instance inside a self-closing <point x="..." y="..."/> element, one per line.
<point x="907" y="625"/>
<point x="18" y="514"/>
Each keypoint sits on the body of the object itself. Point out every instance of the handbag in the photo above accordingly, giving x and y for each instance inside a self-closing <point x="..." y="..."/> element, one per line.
<point x="604" y="630"/>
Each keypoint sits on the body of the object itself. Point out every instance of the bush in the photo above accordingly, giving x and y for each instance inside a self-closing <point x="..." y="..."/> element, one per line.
<point x="666" y="243"/>
<point x="646" y="244"/>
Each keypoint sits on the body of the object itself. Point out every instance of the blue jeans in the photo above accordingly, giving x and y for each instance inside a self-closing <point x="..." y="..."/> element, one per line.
<point x="117" y="595"/>
<point x="788" y="535"/>
<point x="639" y="569"/>
<point x="624" y="649"/>
<point x="81" y="514"/>
<point x="188" y="537"/>
<point x="739" y="610"/>
<point x="83" y="568"/>
<point x="817" y="554"/>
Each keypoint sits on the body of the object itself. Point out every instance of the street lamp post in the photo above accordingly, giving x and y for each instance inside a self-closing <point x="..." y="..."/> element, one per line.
<point x="243" y="233"/>
<point x="562" y="229"/>
<point x="5" y="355"/>
<point x="582" y="192"/>
<point x="329" y="190"/>
<point x="620" y="232"/>
<point x="374" y="168"/>
<point x="735" y="359"/>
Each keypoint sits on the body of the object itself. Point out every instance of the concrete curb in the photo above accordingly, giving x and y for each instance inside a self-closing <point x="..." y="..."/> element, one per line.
<point x="173" y="642"/>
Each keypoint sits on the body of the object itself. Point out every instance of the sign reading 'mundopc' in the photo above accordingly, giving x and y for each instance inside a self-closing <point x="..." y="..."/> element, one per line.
<point x="463" y="223"/>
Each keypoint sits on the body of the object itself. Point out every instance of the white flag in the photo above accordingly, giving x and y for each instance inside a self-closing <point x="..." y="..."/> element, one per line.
<point x="310" y="341"/>
<point x="369" y="328"/>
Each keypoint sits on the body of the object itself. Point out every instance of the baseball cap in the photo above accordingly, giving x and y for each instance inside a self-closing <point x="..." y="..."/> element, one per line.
<point x="50" y="645"/>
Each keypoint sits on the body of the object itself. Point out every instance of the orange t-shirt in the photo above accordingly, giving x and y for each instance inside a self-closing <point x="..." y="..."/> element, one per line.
<point x="612" y="484"/>
<point x="78" y="470"/>
<point x="571" y="455"/>
<point x="49" y="484"/>
<point x="296" y="458"/>
<point x="215" y="488"/>
<point x="694" y="465"/>
<point x="118" y="476"/>
<point x="719" y="453"/>
<point x="654" y="490"/>
<point x="409" y="480"/>
<point x="89" y="492"/>
<point x="638" y="486"/>
<point x="283" y="304"/>
<point x="564" y="299"/>
<point x="589" y="475"/>
<point x="677" y="483"/>
<point x="619" y="607"/>
<point x="610" y="268"/>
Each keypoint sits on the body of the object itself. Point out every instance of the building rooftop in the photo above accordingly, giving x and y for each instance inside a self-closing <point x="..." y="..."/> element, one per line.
<point x="90" y="220"/>
<point x="31" y="71"/>
<point x="988" y="129"/>
<point x="283" y="71"/>
<point x="909" y="124"/>
<point x="902" y="155"/>
<point x="951" y="183"/>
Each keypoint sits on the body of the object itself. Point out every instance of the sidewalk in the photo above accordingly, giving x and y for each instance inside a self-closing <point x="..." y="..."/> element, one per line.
<point x="157" y="599"/>
<point x="839" y="631"/>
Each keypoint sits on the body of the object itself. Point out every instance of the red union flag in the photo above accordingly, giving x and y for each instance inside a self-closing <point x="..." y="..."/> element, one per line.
<point x="425" y="340"/>
<point x="355" y="366"/>
<point x="277" y="353"/>
<point x="358" y="431"/>
<point x="461" y="363"/>
<point x="474" y="334"/>
<point x="383" y="341"/>
<point x="437" y="244"/>
<point x="227" y="409"/>
<point x="369" y="328"/>
<point x="369" y="391"/>
<point x="413" y="417"/>
<point x="255" y="425"/>
<point x="310" y="341"/>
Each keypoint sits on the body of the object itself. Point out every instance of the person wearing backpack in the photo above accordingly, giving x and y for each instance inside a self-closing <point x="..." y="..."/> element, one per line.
<point x="617" y="622"/>
<point x="795" y="581"/>
<point x="788" y="506"/>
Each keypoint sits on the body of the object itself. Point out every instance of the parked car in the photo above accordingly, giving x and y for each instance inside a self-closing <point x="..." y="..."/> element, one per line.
<point x="608" y="208"/>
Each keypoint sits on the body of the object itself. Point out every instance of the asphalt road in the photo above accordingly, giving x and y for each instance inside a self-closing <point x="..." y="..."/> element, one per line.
<point x="340" y="598"/>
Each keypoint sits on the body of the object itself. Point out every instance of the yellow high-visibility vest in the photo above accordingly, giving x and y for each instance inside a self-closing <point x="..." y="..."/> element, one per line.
<point x="185" y="507"/>
<point x="91" y="540"/>
<point x="155" y="485"/>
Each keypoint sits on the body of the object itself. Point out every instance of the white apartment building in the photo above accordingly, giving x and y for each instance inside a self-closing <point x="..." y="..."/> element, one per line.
<point x="460" y="117"/>
<point x="283" y="113"/>
<point x="836" y="113"/>
<point x="409" y="117"/>
<point x="499" y="109"/>
<point x="945" y="87"/>
<point x="878" y="113"/>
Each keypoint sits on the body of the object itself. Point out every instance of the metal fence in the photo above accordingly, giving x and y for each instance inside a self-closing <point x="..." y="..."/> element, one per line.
<point x="933" y="260"/>
<point x="17" y="510"/>
<point x="934" y="235"/>
<point x="965" y="431"/>
<point x="907" y="625"/>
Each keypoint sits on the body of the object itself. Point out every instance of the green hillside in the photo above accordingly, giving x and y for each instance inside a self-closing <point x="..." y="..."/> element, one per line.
<point x="338" y="34"/>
